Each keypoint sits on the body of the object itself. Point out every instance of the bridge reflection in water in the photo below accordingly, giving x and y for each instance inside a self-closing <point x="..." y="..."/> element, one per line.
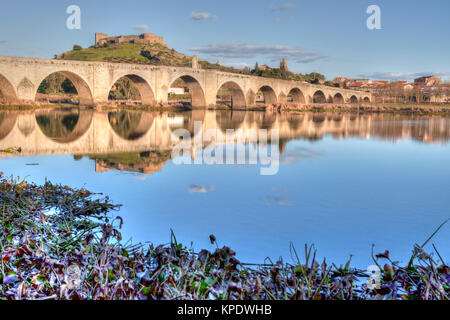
<point x="142" y="141"/>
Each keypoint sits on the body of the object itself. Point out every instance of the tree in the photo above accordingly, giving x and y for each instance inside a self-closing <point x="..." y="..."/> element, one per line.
<point x="77" y="47"/>
<point x="68" y="87"/>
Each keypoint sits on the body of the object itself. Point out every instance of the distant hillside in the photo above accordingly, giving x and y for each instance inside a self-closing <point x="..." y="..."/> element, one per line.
<point x="154" y="54"/>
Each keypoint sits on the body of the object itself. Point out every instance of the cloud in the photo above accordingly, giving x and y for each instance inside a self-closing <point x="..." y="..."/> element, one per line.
<point x="242" y="49"/>
<point x="203" y="16"/>
<point x="141" y="27"/>
<point x="3" y="41"/>
<point x="396" y="76"/>
<point x="237" y="64"/>
<point x="200" y="189"/>
<point x="284" y="7"/>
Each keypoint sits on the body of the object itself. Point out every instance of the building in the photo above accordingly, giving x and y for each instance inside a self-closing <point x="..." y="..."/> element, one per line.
<point x="145" y="38"/>
<point x="429" y="80"/>
<point x="363" y="81"/>
<point x="351" y="83"/>
<point x="176" y="90"/>
<point x="340" y="82"/>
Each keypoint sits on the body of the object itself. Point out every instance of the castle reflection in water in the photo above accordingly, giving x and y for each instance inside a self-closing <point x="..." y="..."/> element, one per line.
<point x="142" y="141"/>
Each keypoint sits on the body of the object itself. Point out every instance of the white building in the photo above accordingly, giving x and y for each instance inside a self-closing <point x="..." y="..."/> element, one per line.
<point x="176" y="90"/>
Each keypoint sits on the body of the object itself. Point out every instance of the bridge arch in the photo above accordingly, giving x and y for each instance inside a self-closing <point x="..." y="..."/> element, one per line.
<point x="227" y="120"/>
<point x="146" y="93"/>
<point x="297" y="95"/>
<point x="236" y="93"/>
<point x="7" y="122"/>
<point x="319" y="97"/>
<point x="7" y="89"/>
<point x="195" y="89"/>
<point x="81" y="85"/>
<point x="263" y="120"/>
<point x="269" y="95"/>
<point x="353" y="99"/>
<point x="130" y="125"/>
<point x="64" y="125"/>
<point x="338" y="98"/>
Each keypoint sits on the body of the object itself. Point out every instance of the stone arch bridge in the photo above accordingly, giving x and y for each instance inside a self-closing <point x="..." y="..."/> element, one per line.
<point x="20" y="79"/>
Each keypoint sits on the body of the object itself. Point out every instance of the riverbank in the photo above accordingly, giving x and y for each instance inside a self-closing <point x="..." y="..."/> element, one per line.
<point x="280" y="107"/>
<point x="374" y="108"/>
<point x="62" y="243"/>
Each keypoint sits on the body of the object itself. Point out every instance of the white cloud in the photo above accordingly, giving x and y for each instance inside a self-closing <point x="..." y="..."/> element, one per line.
<point x="203" y="16"/>
<point x="141" y="27"/>
<point x="242" y="49"/>
<point x="396" y="76"/>
<point x="239" y="65"/>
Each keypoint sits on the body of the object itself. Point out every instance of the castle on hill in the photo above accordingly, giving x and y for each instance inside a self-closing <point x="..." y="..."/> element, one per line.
<point x="145" y="38"/>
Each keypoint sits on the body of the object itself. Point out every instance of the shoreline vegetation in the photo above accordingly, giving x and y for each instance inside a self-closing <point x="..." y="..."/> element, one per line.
<point x="279" y="107"/>
<point x="57" y="242"/>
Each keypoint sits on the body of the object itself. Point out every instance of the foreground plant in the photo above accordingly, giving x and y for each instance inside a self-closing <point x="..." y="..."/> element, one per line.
<point x="62" y="243"/>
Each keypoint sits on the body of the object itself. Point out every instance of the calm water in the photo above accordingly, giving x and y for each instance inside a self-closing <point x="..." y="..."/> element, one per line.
<point x="345" y="181"/>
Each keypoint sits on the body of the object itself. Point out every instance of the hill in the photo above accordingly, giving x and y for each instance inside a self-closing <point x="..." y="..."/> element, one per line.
<point x="154" y="54"/>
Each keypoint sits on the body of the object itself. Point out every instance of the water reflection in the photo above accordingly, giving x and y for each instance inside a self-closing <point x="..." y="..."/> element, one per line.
<point x="62" y="125"/>
<point x="146" y="162"/>
<point x="130" y="125"/>
<point x="7" y="121"/>
<point x="141" y="141"/>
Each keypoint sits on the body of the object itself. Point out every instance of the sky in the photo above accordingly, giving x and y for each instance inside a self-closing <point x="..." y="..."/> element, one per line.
<point x="326" y="36"/>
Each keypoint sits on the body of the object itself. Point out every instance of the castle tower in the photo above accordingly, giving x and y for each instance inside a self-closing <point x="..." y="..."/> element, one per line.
<point x="195" y="64"/>
<point x="283" y="65"/>
<point x="99" y="37"/>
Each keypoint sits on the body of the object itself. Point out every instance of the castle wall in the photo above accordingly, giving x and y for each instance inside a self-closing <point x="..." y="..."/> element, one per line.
<point x="145" y="38"/>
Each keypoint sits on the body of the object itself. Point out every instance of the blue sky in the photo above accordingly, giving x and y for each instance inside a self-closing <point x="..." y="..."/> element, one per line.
<point x="326" y="36"/>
